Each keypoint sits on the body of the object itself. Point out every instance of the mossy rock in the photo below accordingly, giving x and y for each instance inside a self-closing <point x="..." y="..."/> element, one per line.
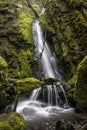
<point x="28" y="84"/>
<point x="81" y="84"/>
<point x="12" y="121"/>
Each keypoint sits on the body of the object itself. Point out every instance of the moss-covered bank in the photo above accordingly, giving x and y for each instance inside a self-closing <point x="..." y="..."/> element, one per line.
<point x="12" y="121"/>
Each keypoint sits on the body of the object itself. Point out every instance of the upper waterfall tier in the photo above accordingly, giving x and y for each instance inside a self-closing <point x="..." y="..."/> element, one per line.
<point x="48" y="60"/>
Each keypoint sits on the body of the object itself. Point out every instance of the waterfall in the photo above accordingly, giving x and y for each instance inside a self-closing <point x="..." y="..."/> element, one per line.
<point x="48" y="99"/>
<point x="48" y="60"/>
<point x="49" y="64"/>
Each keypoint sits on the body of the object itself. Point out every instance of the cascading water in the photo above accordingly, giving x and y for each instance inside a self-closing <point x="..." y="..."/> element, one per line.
<point x="50" y="99"/>
<point x="49" y="66"/>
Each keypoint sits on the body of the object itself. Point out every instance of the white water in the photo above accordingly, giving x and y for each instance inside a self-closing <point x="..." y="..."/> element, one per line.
<point x="48" y="100"/>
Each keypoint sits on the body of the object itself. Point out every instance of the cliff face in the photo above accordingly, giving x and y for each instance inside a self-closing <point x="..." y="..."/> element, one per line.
<point x="66" y="25"/>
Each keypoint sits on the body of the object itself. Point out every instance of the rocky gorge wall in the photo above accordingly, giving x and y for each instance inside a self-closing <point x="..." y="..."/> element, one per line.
<point x="16" y="42"/>
<point x="16" y="45"/>
<point x="65" y="25"/>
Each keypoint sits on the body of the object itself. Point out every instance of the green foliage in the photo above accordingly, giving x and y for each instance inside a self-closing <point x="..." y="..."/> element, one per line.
<point x="12" y="121"/>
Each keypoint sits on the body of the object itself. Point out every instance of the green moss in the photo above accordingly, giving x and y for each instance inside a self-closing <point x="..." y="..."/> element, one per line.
<point x="3" y="75"/>
<point x="63" y="126"/>
<point x="36" y="6"/>
<point x="16" y="46"/>
<point x="77" y="3"/>
<point x="25" y="25"/>
<point x="16" y="42"/>
<point x="28" y="84"/>
<point x="2" y="62"/>
<point x="12" y="121"/>
<point x="50" y="81"/>
<point x="25" y="58"/>
<point x="46" y="24"/>
<point x="66" y="22"/>
<point x="3" y="71"/>
<point x="73" y="80"/>
<point x="81" y="84"/>
<point x="30" y="80"/>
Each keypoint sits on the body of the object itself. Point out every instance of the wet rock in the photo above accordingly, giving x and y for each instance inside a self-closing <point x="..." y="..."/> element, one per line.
<point x="70" y="126"/>
<point x="84" y="127"/>
<point x="34" y="104"/>
<point x="28" y="111"/>
<point x="53" y="110"/>
<point x="47" y="124"/>
<point x="66" y="106"/>
<point x="62" y="125"/>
